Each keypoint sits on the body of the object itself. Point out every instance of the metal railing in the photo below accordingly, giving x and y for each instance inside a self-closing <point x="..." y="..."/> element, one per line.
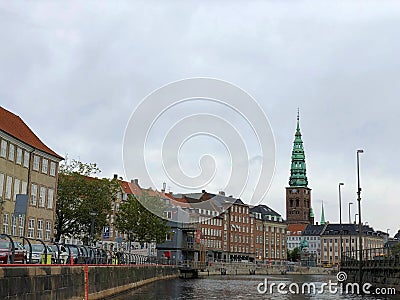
<point x="372" y="256"/>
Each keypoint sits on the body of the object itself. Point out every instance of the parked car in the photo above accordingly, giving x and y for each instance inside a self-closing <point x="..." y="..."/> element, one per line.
<point x="6" y="252"/>
<point x="61" y="254"/>
<point x="37" y="251"/>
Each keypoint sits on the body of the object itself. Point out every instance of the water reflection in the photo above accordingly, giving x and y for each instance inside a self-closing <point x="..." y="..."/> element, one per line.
<point x="234" y="287"/>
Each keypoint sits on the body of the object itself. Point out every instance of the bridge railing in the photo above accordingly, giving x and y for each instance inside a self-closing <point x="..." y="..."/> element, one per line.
<point x="376" y="256"/>
<point x="189" y="264"/>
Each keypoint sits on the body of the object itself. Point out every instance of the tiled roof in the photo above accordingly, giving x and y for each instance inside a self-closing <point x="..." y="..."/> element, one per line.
<point x="348" y="229"/>
<point x="16" y="127"/>
<point x="125" y="186"/>
<point x="295" y="228"/>
<point x="312" y="229"/>
<point x="264" y="210"/>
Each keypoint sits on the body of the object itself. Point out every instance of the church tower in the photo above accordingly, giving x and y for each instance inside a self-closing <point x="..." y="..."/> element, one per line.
<point x="298" y="194"/>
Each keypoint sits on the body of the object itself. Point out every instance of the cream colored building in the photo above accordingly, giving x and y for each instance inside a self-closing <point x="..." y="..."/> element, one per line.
<point x="330" y="241"/>
<point x="27" y="166"/>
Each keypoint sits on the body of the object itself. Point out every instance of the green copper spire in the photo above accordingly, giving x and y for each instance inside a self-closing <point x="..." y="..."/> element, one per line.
<point x="322" y="215"/>
<point x="298" y="168"/>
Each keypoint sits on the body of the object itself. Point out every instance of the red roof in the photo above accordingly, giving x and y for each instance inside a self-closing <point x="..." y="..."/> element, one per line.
<point x="125" y="187"/>
<point x="295" y="228"/>
<point x="14" y="126"/>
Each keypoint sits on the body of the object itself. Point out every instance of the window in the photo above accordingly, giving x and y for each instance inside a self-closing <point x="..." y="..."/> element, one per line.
<point x="5" y="223"/>
<point x="45" y="166"/>
<point x="17" y="184"/>
<point x="8" y="187"/>
<point x="1" y="184"/>
<point x="19" y="156"/>
<point x="34" y="191"/>
<point x="24" y="186"/>
<point x="42" y="196"/>
<point x="31" y="228"/>
<point x="26" y="159"/>
<point x="11" y="152"/>
<point x="36" y="162"/>
<point x="13" y="225"/>
<point x="50" y="198"/>
<point x="52" y="168"/>
<point x="3" y="151"/>
<point x="39" y="229"/>
<point x="21" y="225"/>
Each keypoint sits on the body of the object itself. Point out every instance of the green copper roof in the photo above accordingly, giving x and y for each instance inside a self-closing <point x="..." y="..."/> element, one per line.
<point x="298" y="168"/>
<point x="322" y="215"/>
<point x="311" y="212"/>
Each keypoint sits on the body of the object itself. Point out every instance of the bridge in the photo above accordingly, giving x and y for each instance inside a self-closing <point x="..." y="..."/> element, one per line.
<point x="379" y="267"/>
<point x="191" y="267"/>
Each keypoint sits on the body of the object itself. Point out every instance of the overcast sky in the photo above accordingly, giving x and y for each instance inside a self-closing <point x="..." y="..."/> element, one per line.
<point x="75" y="71"/>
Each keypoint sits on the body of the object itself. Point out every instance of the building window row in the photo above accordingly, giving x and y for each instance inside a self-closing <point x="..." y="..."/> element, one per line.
<point x="43" y="229"/>
<point x="10" y="187"/>
<point x="42" y="165"/>
<point x="42" y="196"/>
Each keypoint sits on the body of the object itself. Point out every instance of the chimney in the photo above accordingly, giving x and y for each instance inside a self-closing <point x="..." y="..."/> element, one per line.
<point x="203" y="191"/>
<point x="115" y="176"/>
<point x="164" y="186"/>
<point x="135" y="181"/>
<point x="316" y="223"/>
<point x="222" y="193"/>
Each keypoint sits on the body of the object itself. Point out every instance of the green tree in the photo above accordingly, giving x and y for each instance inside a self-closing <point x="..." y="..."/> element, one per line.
<point x="79" y="195"/>
<point x="144" y="226"/>
<point x="396" y="249"/>
<point x="293" y="255"/>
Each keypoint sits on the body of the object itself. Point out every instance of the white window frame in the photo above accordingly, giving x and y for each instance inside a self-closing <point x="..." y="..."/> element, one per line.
<point x="34" y="192"/>
<point x="50" y="198"/>
<point x="18" y="161"/>
<point x="11" y="152"/>
<point x="26" y="159"/>
<point x="17" y="186"/>
<point x="5" y="223"/>
<point x="8" y="187"/>
<point x="42" y="196"/>
<point x="2" y="176"/>
<point x="36" y="162"/>
<point x="45" y="166"/>
<point x="24" y="187"/>
<point x="3" y="151"/>
<point x="39" y="231"/>
<point x="13" y="225"/>
<point x="21" y="221"/>
<point x="31" y="228"/>
<point x="52" y="168"/>
<point x="48" y="231"/>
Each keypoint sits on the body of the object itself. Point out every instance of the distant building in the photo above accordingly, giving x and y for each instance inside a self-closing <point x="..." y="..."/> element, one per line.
<point x="312" y="234"/>
<point x="27" y="167"/>
<point x="330" y="241"/>
<point x="270" y="235"/>
<point x="229" y="229"/>
<point x="294" y="235"/>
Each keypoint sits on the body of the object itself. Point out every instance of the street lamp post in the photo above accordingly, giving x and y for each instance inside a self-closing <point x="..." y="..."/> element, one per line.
<point x="350" y="203"/>
<point x="92" y="214"/>
<point x="340" y="219"/>
<point x="355" y="218"/>
<point x="359" y="214"/>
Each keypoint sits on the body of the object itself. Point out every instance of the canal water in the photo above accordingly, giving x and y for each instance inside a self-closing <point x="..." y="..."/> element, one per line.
<point x="241" y="287"/>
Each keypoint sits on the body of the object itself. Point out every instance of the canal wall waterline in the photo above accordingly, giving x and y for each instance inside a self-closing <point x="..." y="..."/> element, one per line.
<point x="77" y="282"/>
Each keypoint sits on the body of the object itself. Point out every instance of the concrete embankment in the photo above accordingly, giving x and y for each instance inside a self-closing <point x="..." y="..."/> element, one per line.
<point x="77" y="282"/>
<point x="249" y="269"/>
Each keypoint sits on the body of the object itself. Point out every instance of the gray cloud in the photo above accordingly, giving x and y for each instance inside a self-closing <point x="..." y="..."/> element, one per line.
<point x="75" y="72"/>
